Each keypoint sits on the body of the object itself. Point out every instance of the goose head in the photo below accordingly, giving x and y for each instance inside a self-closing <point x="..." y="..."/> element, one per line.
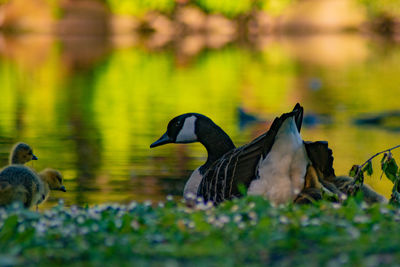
<point x="21" y="153"/>
<point x="182" y="129"/>
<point x="53" y="179"/>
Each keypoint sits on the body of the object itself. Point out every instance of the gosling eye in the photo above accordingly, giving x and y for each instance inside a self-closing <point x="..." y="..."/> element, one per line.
<point x="43" y="197"/>
<point x="59" y="179"/>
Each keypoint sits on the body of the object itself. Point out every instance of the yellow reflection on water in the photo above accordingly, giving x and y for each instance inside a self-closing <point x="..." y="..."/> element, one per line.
<point x="95" y="120"/>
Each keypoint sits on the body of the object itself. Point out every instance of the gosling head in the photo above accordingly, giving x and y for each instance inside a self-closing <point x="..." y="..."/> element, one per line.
<point x="21" y="153"/>
<point x="53" y="178"/>
<point x="183" y="129"/>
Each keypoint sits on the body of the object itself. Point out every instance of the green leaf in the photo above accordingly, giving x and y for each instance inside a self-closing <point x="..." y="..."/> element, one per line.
<point x="354" y="170"/>
<point x="390" y="168"/>
<point x="357" y="174"/>
<point x="368" y="168"/>
<point x="242" y="189"/>
<point x="9" y="228"/>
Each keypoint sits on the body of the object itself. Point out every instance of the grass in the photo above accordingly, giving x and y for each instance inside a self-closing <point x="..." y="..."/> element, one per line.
<point x="247" y="231"/>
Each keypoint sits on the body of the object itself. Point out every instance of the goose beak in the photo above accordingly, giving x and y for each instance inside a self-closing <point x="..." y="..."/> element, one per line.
<point x="164" y="139"/>
<point x="34" y="157"/>
<point x="62" y="188"/>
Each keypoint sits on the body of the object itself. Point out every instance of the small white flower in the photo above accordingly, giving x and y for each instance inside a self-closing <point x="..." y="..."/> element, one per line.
<point x="241" y="225"/>
<point x="224" y="219"/>
<point x="135" y="225"/>
<point x="132" y="205"/>
<point x="21" y="228"/>
<point x="109" y="241"/>
<point x="191" y="225"/>
<point x="118" y="223"/>
<point x="315" y="222"/>
<point x="384" y="210"/>
<point x="211" y="219"/>
<point x="190" y="196"/>
<point x="253" y="215"/>
<point x="95" y="228"/>
<point x="209" y="204"/>
<point x="80" y="220"/>
<point x="237" y="218"/>
<point x="283" y="219"/>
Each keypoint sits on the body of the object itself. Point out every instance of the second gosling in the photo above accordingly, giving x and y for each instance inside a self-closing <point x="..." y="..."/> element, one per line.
<point x="21" y="153"/>
<point x="21" y="184"/>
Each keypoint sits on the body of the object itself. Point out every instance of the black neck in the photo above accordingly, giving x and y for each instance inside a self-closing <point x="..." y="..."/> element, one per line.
<point x="215" y="140"/>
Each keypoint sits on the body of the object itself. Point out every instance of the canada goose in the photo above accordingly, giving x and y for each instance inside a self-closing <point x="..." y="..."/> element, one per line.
<point x="278" y="164"/>
<point x="21" y="153"/>
<point x="22" y="184"/>
<point x="227" y="167"/>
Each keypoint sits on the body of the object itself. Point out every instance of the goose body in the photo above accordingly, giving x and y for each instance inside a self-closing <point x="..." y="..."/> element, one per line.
<point x="273" y="165"/>
<point x="280" y="175"/>
<point x="25" y="184"/>
<point x="192" y="184"/>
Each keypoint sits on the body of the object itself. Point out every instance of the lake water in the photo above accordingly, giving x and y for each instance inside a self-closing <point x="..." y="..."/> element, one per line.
<point x="91" y="108"/>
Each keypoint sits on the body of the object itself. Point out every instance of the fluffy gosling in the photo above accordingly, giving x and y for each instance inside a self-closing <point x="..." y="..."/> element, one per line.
<point x="21" y="184"/>
<point x="21" y="153"/>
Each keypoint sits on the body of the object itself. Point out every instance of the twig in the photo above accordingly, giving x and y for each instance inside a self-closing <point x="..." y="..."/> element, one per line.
<point x="368" y="160"/>
<point x="377" y="154"/>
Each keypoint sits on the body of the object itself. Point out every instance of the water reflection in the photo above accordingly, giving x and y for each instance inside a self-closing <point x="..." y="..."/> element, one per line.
<point x="93" y="114"/>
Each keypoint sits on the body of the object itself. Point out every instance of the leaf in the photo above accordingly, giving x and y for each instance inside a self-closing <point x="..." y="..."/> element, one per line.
<point x="368" y="168"/>
<point x="9" y="228"/>
<point x="242" y="189"/>
<point x="390" y="168"/>
<point x="357" y="174"/>
<point x="383" y="160"/>
<point x="354" y="170"/>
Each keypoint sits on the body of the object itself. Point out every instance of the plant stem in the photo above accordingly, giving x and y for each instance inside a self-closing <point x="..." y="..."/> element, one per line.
<point x="377" y="154"/>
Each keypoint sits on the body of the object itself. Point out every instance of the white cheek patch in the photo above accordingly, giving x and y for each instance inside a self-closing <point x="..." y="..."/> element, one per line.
<point x="187" y="133"/>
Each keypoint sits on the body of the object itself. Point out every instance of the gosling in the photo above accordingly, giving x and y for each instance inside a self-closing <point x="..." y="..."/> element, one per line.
<point x="21" y="184"/>
<point x="21" y="153"/>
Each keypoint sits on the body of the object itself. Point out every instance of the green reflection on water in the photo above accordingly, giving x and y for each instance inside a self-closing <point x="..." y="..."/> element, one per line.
<point x="95" y="120"/>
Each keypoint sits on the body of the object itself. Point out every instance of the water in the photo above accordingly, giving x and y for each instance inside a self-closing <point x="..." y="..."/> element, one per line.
<point x="91" y="108"/>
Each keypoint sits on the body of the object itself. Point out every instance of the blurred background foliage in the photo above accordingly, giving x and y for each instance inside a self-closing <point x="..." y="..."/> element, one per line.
<point x="140" y="7"/>
<point x="383" y="7"/>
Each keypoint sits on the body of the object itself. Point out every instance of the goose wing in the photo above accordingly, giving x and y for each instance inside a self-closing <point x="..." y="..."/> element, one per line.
<point x="321" y="158"/>
<point x="238" y="167"/>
